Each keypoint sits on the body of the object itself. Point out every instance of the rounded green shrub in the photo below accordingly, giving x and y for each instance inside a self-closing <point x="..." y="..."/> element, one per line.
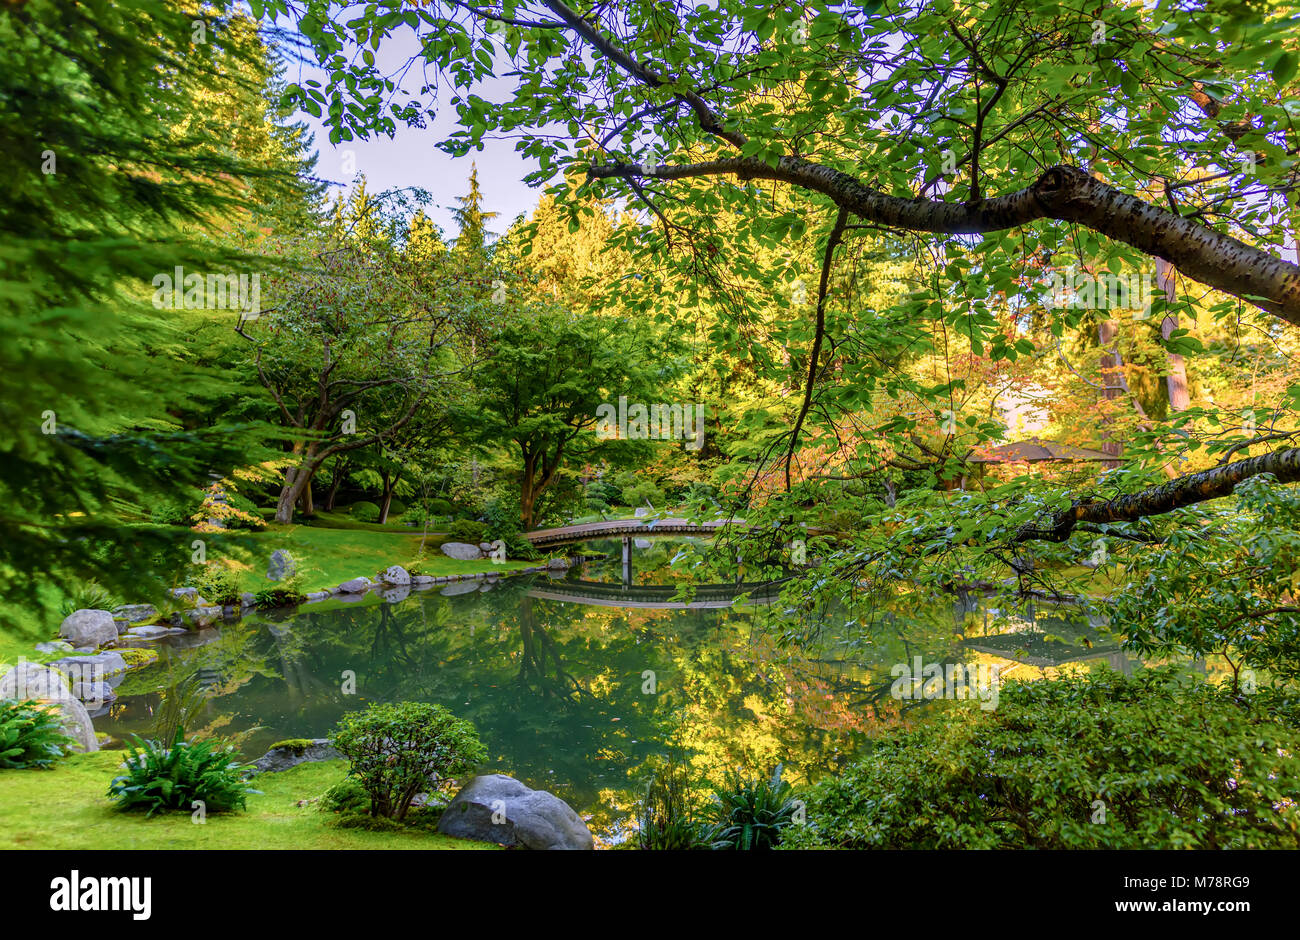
<point x="398" y="751"/>
<point x="216" y="584"/>
<point x="364" y="512"/>
<point x="467" y="530"/>
<point x="346" y="796"/>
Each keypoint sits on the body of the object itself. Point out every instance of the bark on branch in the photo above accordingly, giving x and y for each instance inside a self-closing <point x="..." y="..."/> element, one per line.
<point x="1184" y="491"/>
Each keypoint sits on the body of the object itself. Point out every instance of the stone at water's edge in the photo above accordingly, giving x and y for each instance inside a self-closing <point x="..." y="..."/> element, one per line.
<point x="105" y="665"/>
<point x="55" y="646"/>
<point x="461" y="551"/>
<point x="32" y="681"/>
<point x="533" y="819"/>
<point x="89" y="628"/>
<point x="135" y="613"/>
<point x="396" y="576"/>
<point x="291" y="755"/>
<point x="202" y="616"/>
<point x="354" y="586"/>
<point x="153" y="631"/>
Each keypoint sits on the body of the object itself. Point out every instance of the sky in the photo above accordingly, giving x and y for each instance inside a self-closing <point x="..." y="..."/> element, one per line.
<point x="410" y="157"/>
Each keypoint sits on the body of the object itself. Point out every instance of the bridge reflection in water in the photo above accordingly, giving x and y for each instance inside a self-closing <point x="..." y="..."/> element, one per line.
<point x="655" y="597"/>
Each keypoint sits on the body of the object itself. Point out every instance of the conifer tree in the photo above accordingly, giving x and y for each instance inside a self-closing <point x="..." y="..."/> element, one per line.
<point x="471" y="217"/>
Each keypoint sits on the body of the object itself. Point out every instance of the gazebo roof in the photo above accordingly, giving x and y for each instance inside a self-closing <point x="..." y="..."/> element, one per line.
<point x="1034" y="450"/>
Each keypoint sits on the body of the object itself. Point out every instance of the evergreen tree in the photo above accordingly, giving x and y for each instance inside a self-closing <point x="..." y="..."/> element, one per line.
<point x="113" y="180"/>
<point x="471" y="218"/>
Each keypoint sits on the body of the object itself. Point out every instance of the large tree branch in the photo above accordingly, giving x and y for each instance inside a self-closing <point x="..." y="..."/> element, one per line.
<point x="1184" y="491"/>
<point x="1063" y="193"/>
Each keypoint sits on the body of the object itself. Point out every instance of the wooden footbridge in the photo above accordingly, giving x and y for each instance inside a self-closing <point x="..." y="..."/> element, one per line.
<point x="630" y="531"/>
<point x="640" y="528"/>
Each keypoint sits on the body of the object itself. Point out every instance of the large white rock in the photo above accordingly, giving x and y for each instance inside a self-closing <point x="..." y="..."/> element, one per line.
<point x="43" y="684"/>
<point x="89" y="628"/>
<point x="461" y="551"/>
<point x="396" y="576"/>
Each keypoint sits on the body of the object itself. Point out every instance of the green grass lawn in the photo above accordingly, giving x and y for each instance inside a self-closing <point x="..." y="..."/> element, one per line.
<point x="67" y="808"/>
<point x="328" y="556"/>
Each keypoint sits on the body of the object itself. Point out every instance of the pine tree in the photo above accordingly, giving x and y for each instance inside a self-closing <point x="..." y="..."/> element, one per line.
<point x="471" y="218"/>
<point x="114" y="178"/>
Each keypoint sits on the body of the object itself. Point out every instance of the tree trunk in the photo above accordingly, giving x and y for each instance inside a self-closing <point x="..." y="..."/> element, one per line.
<point x="1176" y="380"/>
<point x="526" y="499"/>
<point x="308" y="507"/>
<point x="340" y="471"/>
<point x="296" y="479"/>
<point x="1111" y="364"/>
<point x="389" y="486"/>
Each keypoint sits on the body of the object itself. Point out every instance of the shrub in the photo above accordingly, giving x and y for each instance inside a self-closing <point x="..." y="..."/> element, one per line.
<point x="502" y="514"/>
<point x="216" y="584"/>
<point x="346" y="796"/>
<point x="439" y="507"/>
<point x="603" y="491"/>
<point x="1103" y="761"/>
<point x="248" y="515"/>
<point x="88" y="595"/>
<point x="467" y="530"/>
<point x="162" y="778"/>
<point x="280" y="596"/>
<point x="666" y="818"/>
<point x="30" y="736"/>
<point x="752" y="814"/>
<point x="169" y="512"/>
<point x="399" y="750"/>
<point x="395" y="508"/>
<point x="364" y="512"/>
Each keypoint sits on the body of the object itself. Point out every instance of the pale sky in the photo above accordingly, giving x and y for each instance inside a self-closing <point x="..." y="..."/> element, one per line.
<point x="410" y="158"/>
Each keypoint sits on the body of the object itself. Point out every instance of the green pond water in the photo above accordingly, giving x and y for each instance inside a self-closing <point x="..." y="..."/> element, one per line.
<point x="576" y="683"/>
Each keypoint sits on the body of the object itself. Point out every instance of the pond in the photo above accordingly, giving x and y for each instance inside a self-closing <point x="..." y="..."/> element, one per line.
<point x="576" y="684"/>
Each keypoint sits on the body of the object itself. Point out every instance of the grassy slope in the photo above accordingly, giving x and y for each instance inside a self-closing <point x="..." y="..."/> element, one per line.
<point x="67" y="808"/>
<point x="327" y="556"/>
